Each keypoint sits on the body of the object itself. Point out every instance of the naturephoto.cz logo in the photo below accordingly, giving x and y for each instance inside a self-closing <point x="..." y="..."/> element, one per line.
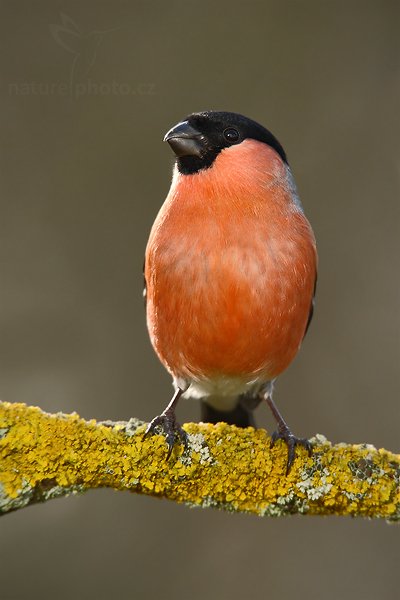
<point x="83" y="47"/>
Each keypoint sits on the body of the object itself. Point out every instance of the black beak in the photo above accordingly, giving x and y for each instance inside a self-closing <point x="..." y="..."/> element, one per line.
<point x="185" y="140"/>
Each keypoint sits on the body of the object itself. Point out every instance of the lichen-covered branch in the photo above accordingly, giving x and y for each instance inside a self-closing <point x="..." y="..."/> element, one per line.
<point x="44" y="456"/>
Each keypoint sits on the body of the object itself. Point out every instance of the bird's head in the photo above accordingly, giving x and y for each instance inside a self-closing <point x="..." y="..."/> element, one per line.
<point x="199" y="138"/>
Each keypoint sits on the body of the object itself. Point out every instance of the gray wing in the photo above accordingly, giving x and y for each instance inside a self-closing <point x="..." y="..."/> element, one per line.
<point x="310" y="314"/>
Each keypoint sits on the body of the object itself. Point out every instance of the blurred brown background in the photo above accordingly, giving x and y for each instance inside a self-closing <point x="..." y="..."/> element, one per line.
<point x="88" y="90"/>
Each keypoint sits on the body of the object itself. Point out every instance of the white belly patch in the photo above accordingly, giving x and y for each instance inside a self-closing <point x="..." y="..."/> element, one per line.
<point x="221" y="392"/>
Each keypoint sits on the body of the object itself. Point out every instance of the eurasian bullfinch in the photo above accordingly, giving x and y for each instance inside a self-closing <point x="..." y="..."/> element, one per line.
<point x="230" y="272"/>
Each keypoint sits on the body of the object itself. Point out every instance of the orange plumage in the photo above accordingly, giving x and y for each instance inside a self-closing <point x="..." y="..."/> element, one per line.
<point x="230" y="269"/>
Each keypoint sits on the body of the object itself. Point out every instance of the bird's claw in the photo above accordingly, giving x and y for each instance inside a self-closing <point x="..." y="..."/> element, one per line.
<point x="170" y="427"/>
<point x="291" y="441"/>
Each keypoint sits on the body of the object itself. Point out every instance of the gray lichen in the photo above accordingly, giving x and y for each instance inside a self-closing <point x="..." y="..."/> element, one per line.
<point x="3" y="432"/>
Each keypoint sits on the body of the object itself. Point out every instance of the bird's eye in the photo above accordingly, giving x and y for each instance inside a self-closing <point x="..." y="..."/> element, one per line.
<point x="231" y="135"/>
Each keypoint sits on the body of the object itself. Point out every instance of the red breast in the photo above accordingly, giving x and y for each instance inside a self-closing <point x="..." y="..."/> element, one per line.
<point x="230" y="268"/>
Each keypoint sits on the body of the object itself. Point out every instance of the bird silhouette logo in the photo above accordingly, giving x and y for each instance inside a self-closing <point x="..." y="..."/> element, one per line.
<point x="83" y="46"/>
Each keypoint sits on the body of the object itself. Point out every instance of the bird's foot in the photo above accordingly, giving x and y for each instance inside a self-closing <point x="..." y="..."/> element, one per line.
<point x="284" y="433"/>
<point x="167" y="423"/>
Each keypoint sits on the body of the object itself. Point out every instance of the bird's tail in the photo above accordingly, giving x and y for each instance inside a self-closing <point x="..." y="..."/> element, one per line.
<point x="241" y="415"/>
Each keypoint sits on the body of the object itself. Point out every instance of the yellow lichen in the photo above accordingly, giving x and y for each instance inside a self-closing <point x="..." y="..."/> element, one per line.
<point x="225" y="466"/>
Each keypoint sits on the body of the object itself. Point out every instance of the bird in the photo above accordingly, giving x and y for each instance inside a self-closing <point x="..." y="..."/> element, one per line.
<point x="230" y="273"/>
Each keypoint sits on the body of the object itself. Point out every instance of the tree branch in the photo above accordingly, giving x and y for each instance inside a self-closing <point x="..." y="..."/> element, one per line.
<point x="44" y="456"/>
